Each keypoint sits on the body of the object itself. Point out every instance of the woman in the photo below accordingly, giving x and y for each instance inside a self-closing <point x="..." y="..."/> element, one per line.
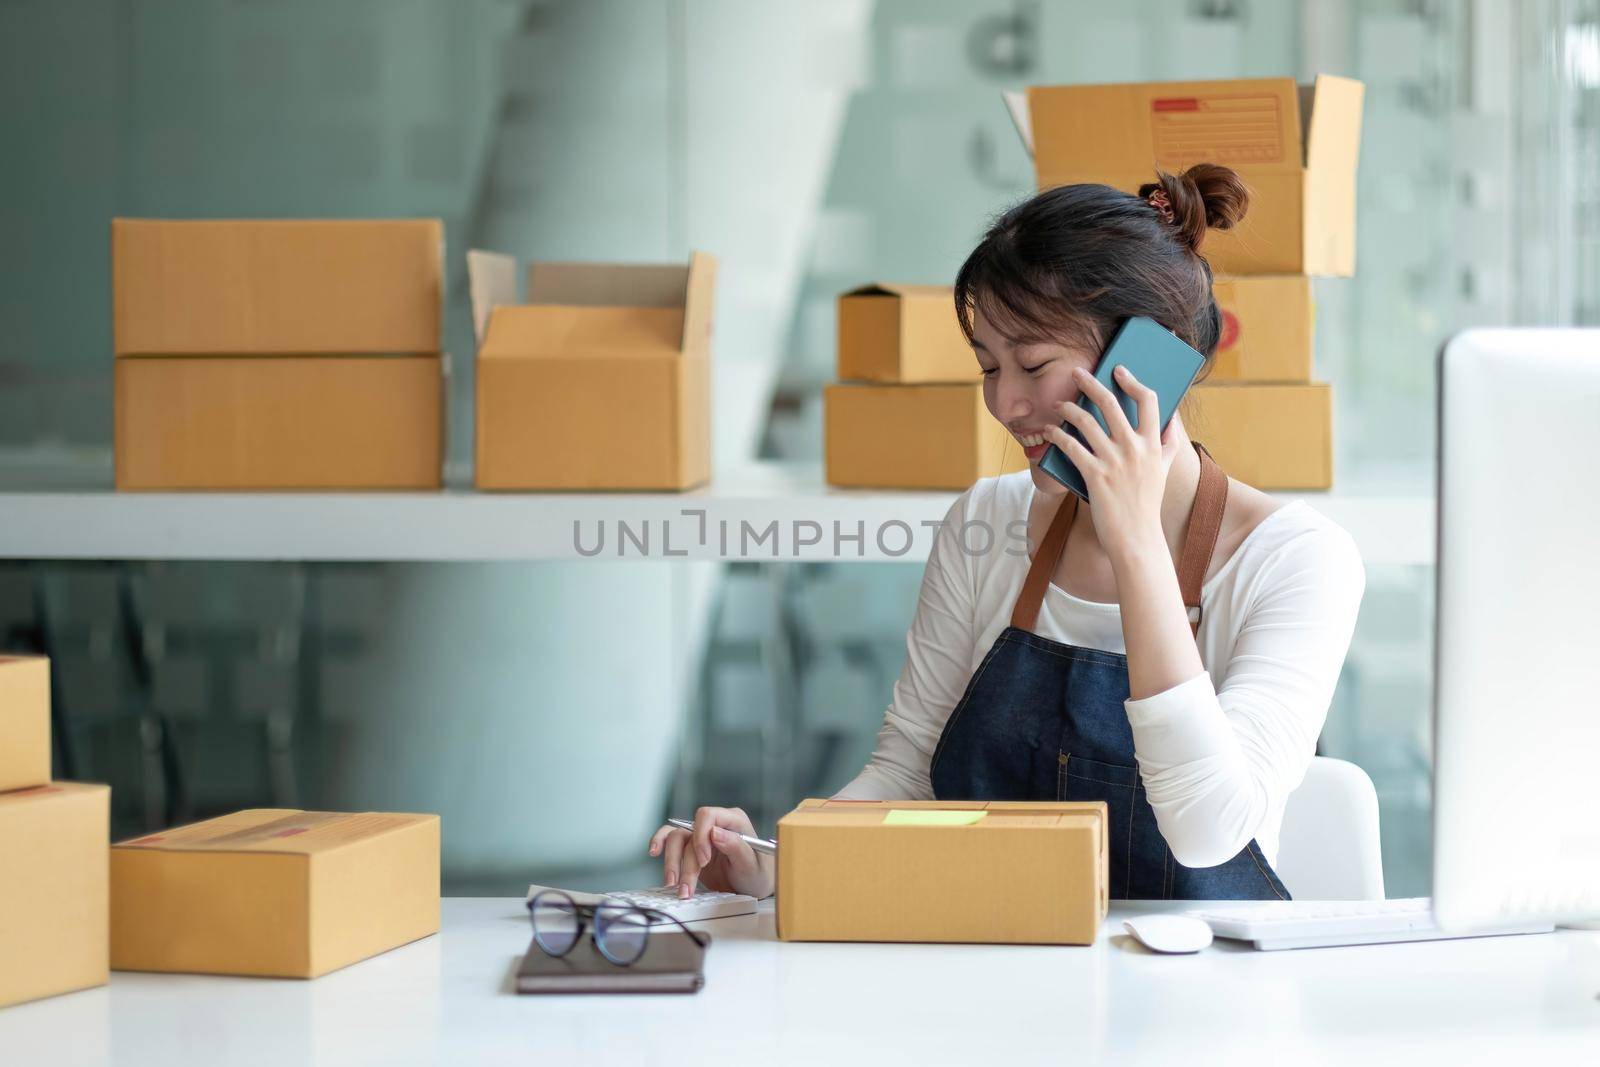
<point x="1171" y="649"/>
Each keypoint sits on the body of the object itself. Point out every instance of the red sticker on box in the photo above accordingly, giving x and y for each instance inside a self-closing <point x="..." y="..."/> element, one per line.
<point x="1230" y="330"/>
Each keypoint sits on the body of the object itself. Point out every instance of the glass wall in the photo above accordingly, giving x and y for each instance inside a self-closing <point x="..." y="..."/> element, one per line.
<point x="812" y="147"/>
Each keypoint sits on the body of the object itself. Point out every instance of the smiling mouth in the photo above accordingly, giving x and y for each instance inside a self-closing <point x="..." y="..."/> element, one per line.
<point x="1033" y="445"/>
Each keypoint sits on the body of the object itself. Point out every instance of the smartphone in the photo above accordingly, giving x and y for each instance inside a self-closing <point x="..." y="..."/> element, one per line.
<point x="1158" y="359"/>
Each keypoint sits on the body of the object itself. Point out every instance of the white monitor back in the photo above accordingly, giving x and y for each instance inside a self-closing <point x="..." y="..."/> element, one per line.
<point x="1517" y="671"/>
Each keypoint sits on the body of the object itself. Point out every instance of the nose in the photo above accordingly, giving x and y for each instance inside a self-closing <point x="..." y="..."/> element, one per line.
<point x="1014" y="399"/>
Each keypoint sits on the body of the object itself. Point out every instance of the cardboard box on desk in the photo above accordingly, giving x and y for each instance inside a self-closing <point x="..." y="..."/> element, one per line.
<point x="53" y="909"/>
<point x="279" y="423"/>
<point x="277" y="287"/>
<point x="934" y="436"/>
<point x="600" y="380"/>
<point x="24" y="721"/>
<point x="1295" y="147"/>
<point x="999" y="872"/>
<point x="1267" y="328"/>
<point x="903" y="333"/>
<point x="1273" y="436"/>
<point x="292" y="894"/>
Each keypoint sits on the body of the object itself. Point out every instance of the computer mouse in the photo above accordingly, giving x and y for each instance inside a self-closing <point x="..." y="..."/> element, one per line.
<point x="1169" y="933"/>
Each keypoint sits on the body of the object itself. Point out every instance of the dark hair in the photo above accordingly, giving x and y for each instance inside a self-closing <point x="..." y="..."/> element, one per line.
<point x="1072" y="262"/>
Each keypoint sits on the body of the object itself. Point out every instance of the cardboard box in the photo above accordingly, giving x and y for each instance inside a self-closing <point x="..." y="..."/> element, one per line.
<point x="53" y="901"/>
<point x="1268" y="436"/>
<point x="276" y="287"/>
<point x="600" y="380"/>
<point x="1296" y="148"/>
<point x="903" y="333"/>
<point x="291" y="894"/>
<point x="1267" y="329"/>
<point x="288" y="422"/>
<point x="991" y="872"/>
<point x="24" y="721"/>
<point x="913" y="437"/>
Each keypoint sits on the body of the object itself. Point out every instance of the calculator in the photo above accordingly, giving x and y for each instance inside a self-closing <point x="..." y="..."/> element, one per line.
<point x="705" y="904"/>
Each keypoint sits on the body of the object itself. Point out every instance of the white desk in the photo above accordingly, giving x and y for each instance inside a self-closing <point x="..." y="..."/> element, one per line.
<point x="447" y="999"/>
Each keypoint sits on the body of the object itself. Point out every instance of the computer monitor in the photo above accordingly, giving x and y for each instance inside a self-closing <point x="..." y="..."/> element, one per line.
<point x="1516" y="822"/>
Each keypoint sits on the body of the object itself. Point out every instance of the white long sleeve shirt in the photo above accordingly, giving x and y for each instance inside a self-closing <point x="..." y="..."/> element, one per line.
<point x="1220" y="753"/>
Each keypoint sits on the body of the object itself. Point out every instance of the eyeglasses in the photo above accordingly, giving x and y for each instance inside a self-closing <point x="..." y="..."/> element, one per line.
<point x="621" y="931"/>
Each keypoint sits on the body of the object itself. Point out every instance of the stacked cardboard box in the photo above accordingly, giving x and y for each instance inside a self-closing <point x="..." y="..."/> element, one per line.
<point x="600" y="379"/>
<point x="278" y="354"/>
<point x="281" y="893"/>
<point x="909" y="411"/>
<point x="53" y="835"/>
<point x="1259" y="412"/>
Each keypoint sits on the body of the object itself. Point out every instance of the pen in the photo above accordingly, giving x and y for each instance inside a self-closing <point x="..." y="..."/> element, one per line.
<point x="760" y="844"/>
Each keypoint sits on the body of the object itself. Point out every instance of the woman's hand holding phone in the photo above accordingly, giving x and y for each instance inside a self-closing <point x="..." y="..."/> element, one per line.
<point x="714" y="854"/>
<point x="1126" y="469"/>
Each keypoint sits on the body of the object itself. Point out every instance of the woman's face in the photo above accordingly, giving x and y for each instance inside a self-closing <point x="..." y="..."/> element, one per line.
<point x="1025" y="385"/>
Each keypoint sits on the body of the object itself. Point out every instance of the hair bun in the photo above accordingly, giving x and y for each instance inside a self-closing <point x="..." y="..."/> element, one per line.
<point x="1206" y="196"/>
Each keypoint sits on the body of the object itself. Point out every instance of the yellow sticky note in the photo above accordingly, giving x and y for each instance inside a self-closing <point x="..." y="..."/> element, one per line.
<point x="927" y="817"/>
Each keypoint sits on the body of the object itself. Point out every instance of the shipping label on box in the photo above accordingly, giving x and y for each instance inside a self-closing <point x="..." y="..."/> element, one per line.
<point x="1295" y="147"/>
<point x="600" y="379"/>
<point x="1267" y="329"/>
<point x="913" y="437"/>
<point x="218" y="287"/>
<point x="1275" y="436"/>
<point x="53" y="889"/>
<point x="903" y="333"/>
<point x="965" y="871"/>
<point x="292" y="894"/>
<point x="276" y="423"/>
<point x="24" y="721"/>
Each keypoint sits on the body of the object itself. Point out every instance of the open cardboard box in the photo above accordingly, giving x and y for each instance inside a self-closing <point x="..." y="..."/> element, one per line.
<point x="1015" y="872"/>
<point x="1296" y="147"/>
<point x="600" y="379"/>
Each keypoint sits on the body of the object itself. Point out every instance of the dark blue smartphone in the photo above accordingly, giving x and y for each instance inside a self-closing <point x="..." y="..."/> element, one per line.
<point x="1158" y="359"/>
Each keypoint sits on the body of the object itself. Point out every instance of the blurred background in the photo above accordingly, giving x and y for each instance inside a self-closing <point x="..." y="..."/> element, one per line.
<point x="553" y="713"/>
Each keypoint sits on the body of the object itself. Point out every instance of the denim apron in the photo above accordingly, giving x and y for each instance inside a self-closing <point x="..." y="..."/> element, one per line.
<point x="1042" y="720"/>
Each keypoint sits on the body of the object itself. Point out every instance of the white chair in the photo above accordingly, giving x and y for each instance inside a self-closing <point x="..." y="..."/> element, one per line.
<point x="1329" y="848"/>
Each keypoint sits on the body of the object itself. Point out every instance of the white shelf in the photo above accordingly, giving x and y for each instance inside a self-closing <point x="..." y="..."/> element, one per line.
<point x="761" y="512"/>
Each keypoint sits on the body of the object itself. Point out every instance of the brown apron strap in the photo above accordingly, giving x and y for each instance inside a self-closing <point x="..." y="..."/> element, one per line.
<point x="1199" y="540"/>
<point x="1026" y="611"/>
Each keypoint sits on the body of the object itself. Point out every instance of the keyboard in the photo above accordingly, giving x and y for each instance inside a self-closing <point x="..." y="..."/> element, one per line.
<point x="705" y="904"/>
<point x="1279" y="924"/>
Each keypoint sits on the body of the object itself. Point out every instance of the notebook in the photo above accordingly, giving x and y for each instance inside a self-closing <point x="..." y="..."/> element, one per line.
<point x="672" y="963"/>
